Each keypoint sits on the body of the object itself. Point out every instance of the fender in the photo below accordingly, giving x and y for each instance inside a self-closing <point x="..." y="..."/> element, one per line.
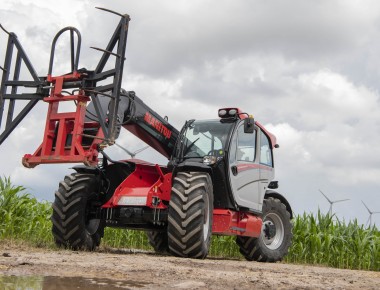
<point x="275" y="194"/>
<point x="192" y="166"/>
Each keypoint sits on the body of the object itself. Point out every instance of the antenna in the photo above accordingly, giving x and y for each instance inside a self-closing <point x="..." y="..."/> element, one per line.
<point x="370" y="214"/>
<point x="332" y="202"/>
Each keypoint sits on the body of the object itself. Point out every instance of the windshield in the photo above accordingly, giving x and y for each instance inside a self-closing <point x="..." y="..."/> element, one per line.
<point x="205" y="138"/>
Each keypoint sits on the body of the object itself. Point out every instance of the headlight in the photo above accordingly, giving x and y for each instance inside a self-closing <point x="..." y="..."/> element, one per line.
<point x="222" y="113"/>
<point x="209" y="160"/>
<point x="232" y="112"/>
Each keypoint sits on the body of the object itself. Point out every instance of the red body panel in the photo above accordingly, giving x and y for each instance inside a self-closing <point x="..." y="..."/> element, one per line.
<point x="151" y="184"/>
<point x="228" y="222"/>
<point x="148" y="180"/>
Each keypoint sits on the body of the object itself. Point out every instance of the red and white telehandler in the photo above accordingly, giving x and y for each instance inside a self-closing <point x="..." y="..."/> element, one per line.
<point x="218" y="180"/>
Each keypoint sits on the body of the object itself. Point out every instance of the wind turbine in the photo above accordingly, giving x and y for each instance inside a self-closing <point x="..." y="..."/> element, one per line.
<point x="332" y="202"/>
<point x="132" y="154"/>
<point x="370" y="214"/>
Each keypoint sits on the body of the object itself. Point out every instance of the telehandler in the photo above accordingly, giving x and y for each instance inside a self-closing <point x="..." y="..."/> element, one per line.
<point x="218" y="180"/>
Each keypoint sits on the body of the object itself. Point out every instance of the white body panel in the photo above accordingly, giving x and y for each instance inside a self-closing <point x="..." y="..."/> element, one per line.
<point x="250" y="167"/>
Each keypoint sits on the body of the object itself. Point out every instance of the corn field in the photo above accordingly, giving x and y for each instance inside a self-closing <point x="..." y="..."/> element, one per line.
<point x="320" y="240"/>
<point x="22" y="217"/>
<point x="317" y="239"/>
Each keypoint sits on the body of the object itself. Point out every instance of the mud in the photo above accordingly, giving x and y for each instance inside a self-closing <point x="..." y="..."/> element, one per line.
<point x="126" y="269"/>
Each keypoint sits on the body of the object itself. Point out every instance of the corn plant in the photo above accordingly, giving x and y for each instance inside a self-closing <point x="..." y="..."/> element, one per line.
<point x="320" y="240"/>
<point x="22" y="216"/>
<point x="121" y="238"/>
<point x="317" y="239"/>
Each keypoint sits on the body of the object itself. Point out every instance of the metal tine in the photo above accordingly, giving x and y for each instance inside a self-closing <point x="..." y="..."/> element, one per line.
<point x="116" y="13"/>
<point x="2" y="27"/>
<point x="106" y="51"/>
<point x="7" y="32"/>
<point x="113" y="12"/>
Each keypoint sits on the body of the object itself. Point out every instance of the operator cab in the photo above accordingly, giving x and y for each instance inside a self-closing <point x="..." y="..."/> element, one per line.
<point x="236" y="151"/>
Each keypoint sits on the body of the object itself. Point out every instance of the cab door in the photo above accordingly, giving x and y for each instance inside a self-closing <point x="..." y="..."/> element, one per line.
<point x="266" y="162"/>
<point x="244" y="169"/>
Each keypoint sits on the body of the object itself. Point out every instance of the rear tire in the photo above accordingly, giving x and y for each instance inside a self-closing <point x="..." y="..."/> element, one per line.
<point x="73" y="226"/>
<point x="159" y="241"/>
<point x="275" y="238"/>
<point x="190" y="215"/>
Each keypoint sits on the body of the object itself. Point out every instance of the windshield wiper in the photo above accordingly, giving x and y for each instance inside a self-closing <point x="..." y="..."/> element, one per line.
<point x="182" y="137"/>
<point x="190" y="146"/>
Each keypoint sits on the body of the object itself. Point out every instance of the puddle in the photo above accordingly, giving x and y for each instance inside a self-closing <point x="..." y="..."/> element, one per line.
<point x="69" y="283"/>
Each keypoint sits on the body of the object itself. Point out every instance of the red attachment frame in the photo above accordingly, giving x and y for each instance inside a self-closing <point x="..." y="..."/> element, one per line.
<point x="228" y="222"/>
<point x="62" y="142"/>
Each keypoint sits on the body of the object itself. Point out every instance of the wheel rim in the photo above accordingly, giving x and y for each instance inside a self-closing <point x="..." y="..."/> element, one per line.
<point x="206" y="223"/>
<point x="272" y="232"/>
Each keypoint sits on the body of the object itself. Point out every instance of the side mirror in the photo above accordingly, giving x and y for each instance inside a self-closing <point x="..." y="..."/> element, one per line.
<point x="249" y="125"/>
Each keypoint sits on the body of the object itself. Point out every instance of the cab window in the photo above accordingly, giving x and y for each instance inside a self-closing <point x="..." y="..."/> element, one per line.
<point x="246" y="146"/>
<point x="265" y="150"/>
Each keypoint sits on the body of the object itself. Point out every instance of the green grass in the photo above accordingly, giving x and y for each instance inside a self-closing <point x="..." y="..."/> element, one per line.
<point x="318" y="239"/>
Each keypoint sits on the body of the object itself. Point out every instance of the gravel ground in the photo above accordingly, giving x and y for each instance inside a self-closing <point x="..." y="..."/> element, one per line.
<point x="115" y="268"/>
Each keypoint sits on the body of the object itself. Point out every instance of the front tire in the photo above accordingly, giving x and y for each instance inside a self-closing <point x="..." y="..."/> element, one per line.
<point x="275" y="238"/>
<point x="73" y="224"/>
<point x="190" y="215"/>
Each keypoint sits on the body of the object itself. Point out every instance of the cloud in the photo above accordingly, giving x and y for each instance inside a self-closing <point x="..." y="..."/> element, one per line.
<point x="307" y="69"/>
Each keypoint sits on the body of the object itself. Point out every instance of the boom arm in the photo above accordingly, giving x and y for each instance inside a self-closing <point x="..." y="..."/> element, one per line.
<point x="139" y="119"/>
<point x="149" y="126"/>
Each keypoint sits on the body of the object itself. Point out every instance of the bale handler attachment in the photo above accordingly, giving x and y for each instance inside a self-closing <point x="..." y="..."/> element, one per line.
<point x="69" y="136"/>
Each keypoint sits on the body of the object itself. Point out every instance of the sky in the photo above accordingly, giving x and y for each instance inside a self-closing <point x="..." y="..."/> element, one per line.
<point x="307" y="70"/>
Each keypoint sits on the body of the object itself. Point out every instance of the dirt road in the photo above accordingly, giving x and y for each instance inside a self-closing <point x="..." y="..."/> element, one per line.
<point x="145" y="270"/>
